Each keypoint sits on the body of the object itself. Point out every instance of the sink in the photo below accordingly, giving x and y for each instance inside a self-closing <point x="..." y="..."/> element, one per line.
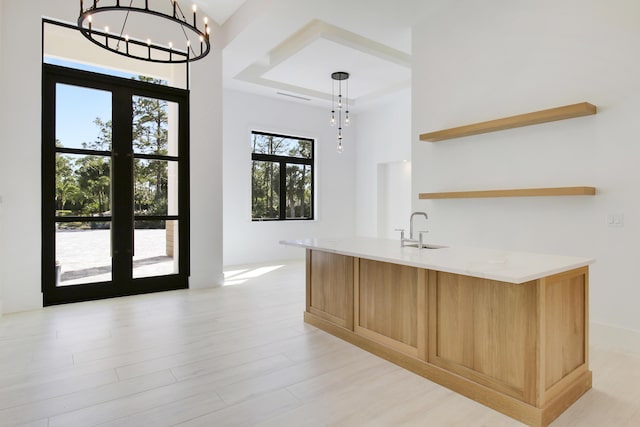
<point x="424" y="246"/>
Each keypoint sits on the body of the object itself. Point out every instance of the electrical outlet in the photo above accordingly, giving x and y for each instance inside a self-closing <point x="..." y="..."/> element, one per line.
<point x="615" y="220"/>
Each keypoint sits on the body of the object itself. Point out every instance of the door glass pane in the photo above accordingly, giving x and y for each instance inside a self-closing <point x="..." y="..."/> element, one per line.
<point x="155" y="248"/>
<point x="155" y="187"/>
<point x="298" y="191"/>
<point x="83" y="118"/>
<point x="265" y="190"/>
<point x="83" y="185"/>
<point x="155" y="126"/>
<point x="83" y="252"/>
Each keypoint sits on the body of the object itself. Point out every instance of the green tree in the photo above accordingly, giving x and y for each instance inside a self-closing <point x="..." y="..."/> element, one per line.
<point x="94" y="178"/>
<point x="104" y="138"/>
<point x="66" y="186"/>
<point x="150" y="136"/>
<point x="298" y="180"/>
<point x="266" y="177"/>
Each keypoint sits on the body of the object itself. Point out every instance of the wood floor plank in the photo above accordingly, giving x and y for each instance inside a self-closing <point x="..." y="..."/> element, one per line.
<point x="289" y="375"/>
<point x="248" y="412"/>
<point x="330" y="407"/>
<point x="82" y="399"/>
<point x="173" y="413"/>
<point x="132" y="405"/>
<point x="341" y="379"/>
<point x="30" y="393"/>
<point x="181" y="361"/>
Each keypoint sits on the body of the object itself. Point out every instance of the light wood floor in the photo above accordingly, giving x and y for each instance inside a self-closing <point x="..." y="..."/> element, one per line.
<point x="239" y="355"/>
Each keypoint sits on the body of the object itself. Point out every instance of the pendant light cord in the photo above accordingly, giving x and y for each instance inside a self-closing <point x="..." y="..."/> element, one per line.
<point x="124" y="24"/>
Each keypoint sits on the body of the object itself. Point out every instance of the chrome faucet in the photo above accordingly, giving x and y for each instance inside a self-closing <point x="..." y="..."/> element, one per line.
<point x="411" y="239"/>
<point x="411" y="222"/>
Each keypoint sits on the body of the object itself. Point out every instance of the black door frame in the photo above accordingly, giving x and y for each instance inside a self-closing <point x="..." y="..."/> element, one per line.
<point x="122" y="215"/>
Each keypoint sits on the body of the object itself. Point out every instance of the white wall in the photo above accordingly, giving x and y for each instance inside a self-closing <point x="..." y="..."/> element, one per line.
<point x="20" y="168"/>
<point x="477" y="61"/>
<point x="2" y="276"/>
<point x="206" y="168"/>
<point x="384" y="136"/>
<point x="394" y="199"/>
<point x="246" y="241"/>
<point x="20" y="163"/>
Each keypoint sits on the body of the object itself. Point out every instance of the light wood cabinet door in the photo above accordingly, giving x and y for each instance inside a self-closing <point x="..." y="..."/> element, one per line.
<point x="330" y="287"/>
<point x="390" y="302"/>
<point x="485" y="330"/>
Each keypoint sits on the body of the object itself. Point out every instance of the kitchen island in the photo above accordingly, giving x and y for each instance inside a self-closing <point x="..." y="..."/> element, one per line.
<point x="507" y="329"/>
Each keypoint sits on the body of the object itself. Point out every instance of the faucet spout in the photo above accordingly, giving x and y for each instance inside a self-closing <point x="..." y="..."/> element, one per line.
<point x="411" y="222"/>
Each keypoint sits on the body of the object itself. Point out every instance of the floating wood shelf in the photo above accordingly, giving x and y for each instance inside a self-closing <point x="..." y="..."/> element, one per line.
<point x="521" y="192"/>
<point x="543" y="116"/>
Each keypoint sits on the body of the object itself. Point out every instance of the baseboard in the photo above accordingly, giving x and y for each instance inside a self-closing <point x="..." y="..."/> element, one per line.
<point x="613" y="338"/>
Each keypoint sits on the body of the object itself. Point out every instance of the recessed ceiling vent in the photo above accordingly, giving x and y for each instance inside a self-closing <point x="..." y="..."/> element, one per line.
<point x="294" y="96"/>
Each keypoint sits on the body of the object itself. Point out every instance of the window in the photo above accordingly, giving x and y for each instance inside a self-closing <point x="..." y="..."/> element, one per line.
<point x="281" y="177"/>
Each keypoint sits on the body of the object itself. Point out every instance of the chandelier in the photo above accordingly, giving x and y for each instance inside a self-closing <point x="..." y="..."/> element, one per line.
<point x="116" y="26"/>
<point x="341" y="103"/>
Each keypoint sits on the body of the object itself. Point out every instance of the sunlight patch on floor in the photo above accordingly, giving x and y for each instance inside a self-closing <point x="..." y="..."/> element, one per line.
<point x="238" y="277"/>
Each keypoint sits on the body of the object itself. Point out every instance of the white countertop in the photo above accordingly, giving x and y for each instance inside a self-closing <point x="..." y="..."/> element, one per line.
<point x="505" y="266"/>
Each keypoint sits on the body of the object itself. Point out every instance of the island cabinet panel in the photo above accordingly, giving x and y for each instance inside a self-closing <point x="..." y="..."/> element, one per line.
<point x="565" y="330"/>
<point x="485" y="330"/>
<point x="330" y="287"/>
<point x="389" y="300"/>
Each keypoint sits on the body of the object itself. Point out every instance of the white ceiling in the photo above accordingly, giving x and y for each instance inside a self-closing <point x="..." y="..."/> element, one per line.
<point x="293" y="46"/>
<point x="312" y="73"/>
<point x="220" y="10"/>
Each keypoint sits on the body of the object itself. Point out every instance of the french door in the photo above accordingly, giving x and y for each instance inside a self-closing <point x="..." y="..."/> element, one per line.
<point x="115" y="186"/>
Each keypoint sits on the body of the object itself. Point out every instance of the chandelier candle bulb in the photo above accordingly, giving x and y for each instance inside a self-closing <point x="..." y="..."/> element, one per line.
<point x="90" y="22"/>
<point x="194" y="16"/>
<point x="174" y="8"/>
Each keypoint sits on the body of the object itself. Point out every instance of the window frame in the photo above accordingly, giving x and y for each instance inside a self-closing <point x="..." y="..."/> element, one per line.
<point x="282" y="162"/>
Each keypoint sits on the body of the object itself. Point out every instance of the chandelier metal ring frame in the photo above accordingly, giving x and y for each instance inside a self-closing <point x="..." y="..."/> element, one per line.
<point x="122" y="44"/>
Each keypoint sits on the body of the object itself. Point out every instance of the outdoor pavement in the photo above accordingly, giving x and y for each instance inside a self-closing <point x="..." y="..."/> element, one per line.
<point x="84" y="255"/>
